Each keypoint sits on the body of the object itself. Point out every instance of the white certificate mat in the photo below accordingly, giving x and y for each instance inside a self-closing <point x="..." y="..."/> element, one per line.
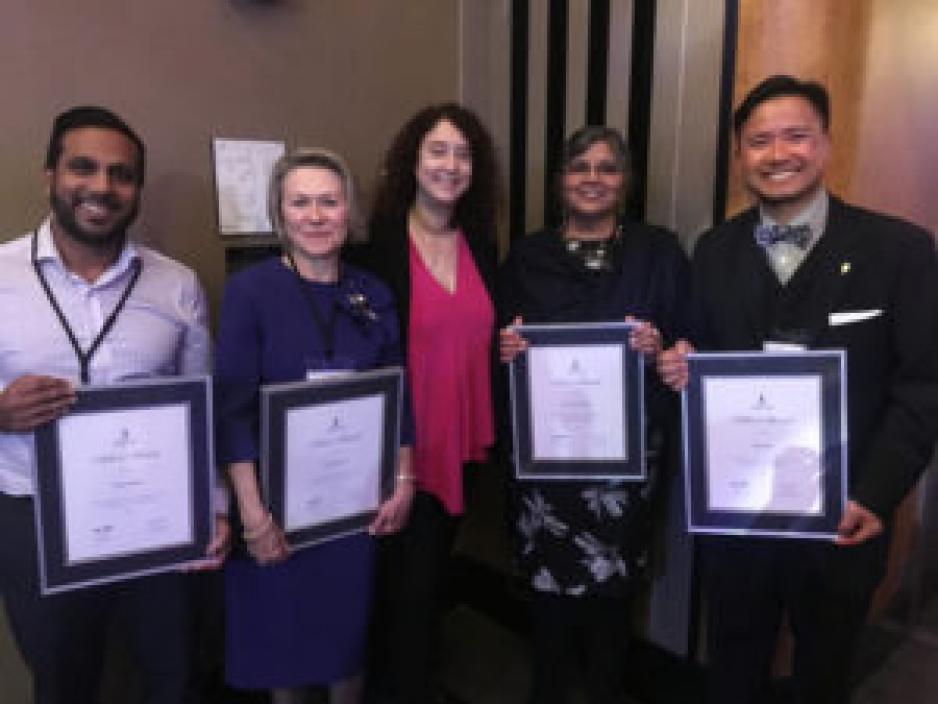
<point x="125" y="486"/>
<point x="576" y="392"/>
<point x="764" y="444"/>
<point x="333" y="460"/>
<point x="242" y="174"/>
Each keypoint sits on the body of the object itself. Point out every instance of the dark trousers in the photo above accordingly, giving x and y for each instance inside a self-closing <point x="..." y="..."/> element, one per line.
<point x="750" y="585"/>
<point x="62" y="637"/>
<point x="412" y="573"/>
<point x="572" y="634"/>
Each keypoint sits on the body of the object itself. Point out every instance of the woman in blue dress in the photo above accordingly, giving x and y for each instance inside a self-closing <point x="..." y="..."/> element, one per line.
<point x="295" y="619"/>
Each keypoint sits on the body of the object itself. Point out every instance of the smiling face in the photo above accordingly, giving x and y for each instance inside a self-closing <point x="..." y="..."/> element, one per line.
<point x="94" y="188"/>
<point x="315" y="212"/>
<point x="444" y="166"/>
<point x="593" y="183"/>
<point x="782" y="150"/>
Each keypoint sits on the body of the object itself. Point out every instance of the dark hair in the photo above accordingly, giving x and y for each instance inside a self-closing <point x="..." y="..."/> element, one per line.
<point x="579" y="142"/>
<point x="91" y="116"/>
<point x="397" y="182"/>
<point x="586" y="137"/>
<point x="780" y="86"/>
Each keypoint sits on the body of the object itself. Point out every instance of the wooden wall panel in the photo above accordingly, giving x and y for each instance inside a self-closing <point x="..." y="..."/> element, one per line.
<point x="826" y="40"/>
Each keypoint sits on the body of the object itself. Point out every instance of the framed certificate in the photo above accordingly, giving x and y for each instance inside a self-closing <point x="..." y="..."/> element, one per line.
<point x="765" y="443"/>
<point x="329" y="450"/>
<point x="577" y="403"/>
<point x="242" y="172"/>
<point x="124" y="482"/>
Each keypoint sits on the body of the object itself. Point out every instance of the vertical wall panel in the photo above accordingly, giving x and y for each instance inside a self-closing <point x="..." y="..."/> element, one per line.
<point x="557" y="22"/>
<point x="619" y="75"/>
<point x="537" y="109"/>
<point x="685" y="111"/>
<point x="578" y="49"/>
<point x="518" y="118"/>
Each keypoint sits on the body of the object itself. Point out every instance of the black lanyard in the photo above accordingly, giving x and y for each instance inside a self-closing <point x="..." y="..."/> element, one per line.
<point x="84" y="357"/>
<point x="324" y="326"/>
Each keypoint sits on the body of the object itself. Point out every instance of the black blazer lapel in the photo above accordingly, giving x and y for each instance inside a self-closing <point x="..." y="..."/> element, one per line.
<point x="820" y="281"/>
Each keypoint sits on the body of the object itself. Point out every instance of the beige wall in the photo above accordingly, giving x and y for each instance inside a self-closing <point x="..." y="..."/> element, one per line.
<point x="878" y="59"/>
<point x="897" y="132"/>
<point x="823" y="40"/>
<point x="339" y="73"/>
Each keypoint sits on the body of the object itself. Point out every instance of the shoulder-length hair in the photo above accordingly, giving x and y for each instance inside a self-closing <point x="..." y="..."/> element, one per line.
<point x="317" y="159"/>
<point x="397" y="182"/>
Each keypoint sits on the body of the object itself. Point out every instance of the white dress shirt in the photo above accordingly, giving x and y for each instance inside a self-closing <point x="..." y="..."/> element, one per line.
<point x="161" y="331"/>
<point x="786" y="257"/>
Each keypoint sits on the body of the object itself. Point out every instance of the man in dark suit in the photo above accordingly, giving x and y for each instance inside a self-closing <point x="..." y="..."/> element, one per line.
<point x="805" y="270"/>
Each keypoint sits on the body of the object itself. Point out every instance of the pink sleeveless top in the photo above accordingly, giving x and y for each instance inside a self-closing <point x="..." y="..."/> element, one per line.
<point x="448" y="366"/>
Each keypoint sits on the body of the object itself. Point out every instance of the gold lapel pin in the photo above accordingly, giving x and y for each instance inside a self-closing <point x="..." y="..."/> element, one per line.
<point x="845" y="268"/>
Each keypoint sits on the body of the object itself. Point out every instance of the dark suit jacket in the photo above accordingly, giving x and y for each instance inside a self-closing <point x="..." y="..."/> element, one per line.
<point x="863" y="262"/>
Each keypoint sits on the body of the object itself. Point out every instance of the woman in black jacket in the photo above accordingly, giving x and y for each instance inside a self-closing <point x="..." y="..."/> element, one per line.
<point x="583" y="544"/>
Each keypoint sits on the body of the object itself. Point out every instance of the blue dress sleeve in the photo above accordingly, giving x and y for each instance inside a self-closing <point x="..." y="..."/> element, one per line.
<point x="237" y="375"/>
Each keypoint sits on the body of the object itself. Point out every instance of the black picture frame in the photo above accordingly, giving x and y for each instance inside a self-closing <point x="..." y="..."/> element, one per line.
<point x="631" y="466"/>
<point x="58" y="572"/>
<point x="278" y="399"/>
<point x="829" y="367"/>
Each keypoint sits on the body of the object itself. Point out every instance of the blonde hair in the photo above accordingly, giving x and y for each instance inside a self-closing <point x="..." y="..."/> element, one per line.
<point x="317" y="159"/>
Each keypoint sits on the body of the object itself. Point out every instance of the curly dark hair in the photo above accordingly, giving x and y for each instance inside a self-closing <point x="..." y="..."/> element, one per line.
<point x="474" y="214"/>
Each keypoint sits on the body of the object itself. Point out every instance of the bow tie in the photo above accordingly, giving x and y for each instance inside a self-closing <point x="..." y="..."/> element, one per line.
<point x="798" y="235"/>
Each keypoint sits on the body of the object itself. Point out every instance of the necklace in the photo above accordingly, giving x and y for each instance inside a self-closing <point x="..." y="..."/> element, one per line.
<point x="595" y="255"/>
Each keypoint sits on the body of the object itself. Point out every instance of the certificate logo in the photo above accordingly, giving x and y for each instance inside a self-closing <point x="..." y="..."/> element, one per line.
<point x="123" y="441"/>
<point x="761" y="404"/>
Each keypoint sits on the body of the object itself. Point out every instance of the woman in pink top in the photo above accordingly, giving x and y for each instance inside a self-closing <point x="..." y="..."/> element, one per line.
<point x="432" y="240"/>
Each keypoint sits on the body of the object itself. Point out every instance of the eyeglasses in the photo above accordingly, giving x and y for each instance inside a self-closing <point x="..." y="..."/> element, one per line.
<point x="582" y="167"/>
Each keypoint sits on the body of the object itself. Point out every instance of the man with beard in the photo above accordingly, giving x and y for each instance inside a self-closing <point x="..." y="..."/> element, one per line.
<point x="806" y="270"/>
<point x="82" y="304"/>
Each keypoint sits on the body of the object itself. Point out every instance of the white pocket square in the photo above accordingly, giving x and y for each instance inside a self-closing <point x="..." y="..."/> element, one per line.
<point x="853" y="316"/>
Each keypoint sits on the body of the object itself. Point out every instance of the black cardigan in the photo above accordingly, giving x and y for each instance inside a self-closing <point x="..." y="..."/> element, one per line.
<point x="386" y="255"/>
